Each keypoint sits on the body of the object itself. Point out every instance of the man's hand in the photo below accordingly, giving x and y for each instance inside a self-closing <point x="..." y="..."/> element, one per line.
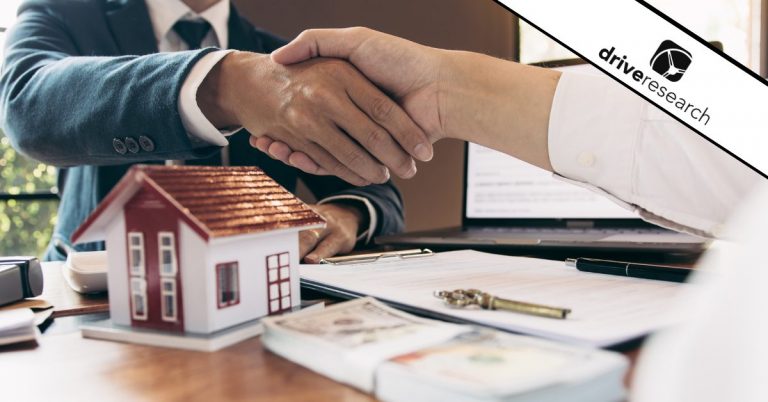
<point x="323" y="108"/>
<point x="410" y="72"/>
<point x="450" y="94"/>
<point x="338" y="237"/>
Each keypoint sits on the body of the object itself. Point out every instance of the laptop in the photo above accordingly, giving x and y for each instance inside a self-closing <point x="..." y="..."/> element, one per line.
<point x="511" y="204"/>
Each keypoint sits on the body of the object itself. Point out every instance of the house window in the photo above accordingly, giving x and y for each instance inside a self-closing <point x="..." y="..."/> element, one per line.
<point x="279" y="282"/>
<point x="136" y="253"/>
<point x="168" y="299"/>
<point x="167" y="253"/>
<point x="227" y="284"/>
<point x="138" y="298"/>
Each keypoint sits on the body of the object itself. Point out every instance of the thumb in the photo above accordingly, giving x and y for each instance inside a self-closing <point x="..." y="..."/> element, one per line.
<point x="338" y="43"/>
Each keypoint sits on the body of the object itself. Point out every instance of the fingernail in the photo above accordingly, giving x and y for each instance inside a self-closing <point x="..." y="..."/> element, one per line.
<point x="312" y="258"/>
<point x="423" y="153"/>
<point x="412" y="171"/>
<point x="387" y="175"/>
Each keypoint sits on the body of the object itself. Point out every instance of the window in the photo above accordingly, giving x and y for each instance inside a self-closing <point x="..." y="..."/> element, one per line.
<point x="136" y="253"/>
<point x="167" y="253"/>
<point x="139" y="299"/>
<point x="28" y="199"/>
<point x="227" y="284"/>
<point x="279" y="282"/>
<point x="168" y="299"/>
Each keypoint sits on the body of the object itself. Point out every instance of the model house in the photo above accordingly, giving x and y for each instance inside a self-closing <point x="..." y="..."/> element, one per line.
<point x="199" y="249"/>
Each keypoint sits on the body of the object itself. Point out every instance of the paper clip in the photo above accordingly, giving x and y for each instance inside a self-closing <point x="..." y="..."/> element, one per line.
<point x="374" y="257"/>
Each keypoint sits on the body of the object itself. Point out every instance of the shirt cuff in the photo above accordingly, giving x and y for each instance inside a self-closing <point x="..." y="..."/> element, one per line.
<point x="603" y="151"/>
<point x="595" y="148"/>
<point x="366" y="235"/>
<point x="198" y="127"/>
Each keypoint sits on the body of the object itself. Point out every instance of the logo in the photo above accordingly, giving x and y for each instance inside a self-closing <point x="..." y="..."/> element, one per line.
<point x="671" y="61"/>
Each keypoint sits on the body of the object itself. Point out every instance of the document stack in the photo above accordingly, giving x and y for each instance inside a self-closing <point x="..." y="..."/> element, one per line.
<point x="400" y="357"/>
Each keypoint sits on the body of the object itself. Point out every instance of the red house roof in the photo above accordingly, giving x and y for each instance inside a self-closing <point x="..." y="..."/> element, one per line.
<point x="217" y="201"/>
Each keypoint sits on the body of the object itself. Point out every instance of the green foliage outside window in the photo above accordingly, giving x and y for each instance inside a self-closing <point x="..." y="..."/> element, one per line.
<point x="25" y="225"/>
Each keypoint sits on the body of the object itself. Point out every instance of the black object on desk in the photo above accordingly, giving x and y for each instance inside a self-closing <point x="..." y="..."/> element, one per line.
<point x="644" y="271"/>
<point x="20" y="277"/>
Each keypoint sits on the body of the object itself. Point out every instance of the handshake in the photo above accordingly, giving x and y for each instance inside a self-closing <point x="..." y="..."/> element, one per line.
<point x="359" y="104"/>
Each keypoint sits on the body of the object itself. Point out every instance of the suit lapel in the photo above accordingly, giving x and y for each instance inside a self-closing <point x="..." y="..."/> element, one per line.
<point x="131" y="27"/>
<point x="239" y="37"/>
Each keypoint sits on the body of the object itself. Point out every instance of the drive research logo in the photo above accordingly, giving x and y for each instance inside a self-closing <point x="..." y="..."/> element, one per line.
<point x="671" y="61"/>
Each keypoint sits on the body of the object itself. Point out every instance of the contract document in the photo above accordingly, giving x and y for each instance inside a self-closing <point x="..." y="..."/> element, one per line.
<point x="606" y="310"/>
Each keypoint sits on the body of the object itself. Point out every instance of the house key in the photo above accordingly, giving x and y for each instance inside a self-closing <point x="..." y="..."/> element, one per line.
<point x="461" y="298"/>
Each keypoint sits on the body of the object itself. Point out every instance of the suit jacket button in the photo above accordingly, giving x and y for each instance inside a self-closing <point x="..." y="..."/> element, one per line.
<point x="146" y="143"/>
<point x="132" y="145"/>
<point x="119" y="146"/>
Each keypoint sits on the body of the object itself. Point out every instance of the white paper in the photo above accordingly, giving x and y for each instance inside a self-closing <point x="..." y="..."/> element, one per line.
<point x="606" y="309"/>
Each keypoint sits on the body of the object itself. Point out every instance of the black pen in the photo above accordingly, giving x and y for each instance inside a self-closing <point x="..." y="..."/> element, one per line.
<point x="645" y="271"/>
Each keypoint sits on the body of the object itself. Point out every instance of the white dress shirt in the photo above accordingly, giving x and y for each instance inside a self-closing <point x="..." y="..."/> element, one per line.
<point x="164" y="14"/>
<point x="606" y="138"/>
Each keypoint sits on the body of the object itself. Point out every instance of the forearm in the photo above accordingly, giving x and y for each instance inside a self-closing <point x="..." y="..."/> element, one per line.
<point x="498" y="104"/>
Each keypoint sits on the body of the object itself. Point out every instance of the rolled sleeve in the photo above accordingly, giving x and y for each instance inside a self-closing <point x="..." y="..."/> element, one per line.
<point x="199" y="128"/>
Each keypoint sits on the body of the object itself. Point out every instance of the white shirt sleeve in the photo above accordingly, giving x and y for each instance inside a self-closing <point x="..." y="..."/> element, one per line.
<point x="197" y="125"/>
<point x="604" y="137"/>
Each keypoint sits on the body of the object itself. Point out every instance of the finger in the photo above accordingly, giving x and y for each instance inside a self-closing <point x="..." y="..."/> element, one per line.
<point x="329" y="164"/>
<point x="348" y="152"/>
<point x="331" y="245"/>
<point x="377" y="141"/>
<point x="280" y="151"/>
<point x="303" y="162"/>
<point x="389" y="115"/>
<point x="261" y="143"/>
<point x="339" y="43"/>
<point x="308" y="239"/>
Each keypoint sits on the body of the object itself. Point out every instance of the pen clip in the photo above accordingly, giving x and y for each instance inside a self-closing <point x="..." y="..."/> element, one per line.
<point x="374" y="257"/>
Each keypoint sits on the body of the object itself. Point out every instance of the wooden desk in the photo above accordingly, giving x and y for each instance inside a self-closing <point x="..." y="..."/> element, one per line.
<point x="65" y="301"/>
<point x="69" y="368"/>
<point x="66" y="367"/>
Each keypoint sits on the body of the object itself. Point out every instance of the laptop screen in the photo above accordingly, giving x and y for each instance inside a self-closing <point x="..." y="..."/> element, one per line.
<point x="500" y="187"/>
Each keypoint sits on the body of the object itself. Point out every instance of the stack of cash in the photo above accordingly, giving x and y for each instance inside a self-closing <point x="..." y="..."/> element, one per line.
<point x="400" y="357"/>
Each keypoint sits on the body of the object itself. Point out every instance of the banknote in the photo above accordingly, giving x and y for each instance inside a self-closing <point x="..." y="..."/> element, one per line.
<point x="355" y="324"/>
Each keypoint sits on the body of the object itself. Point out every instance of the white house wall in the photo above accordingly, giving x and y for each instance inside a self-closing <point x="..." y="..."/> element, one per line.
<point x="195" y="291"/>
<point x="250" y="252"/>
<point x="117" y="276"/>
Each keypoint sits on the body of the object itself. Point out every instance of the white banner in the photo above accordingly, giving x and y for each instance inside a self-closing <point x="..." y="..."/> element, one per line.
<point x="659" y="61"/>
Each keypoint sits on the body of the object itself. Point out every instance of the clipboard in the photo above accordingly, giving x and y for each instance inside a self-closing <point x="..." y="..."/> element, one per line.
<point x="375" y="257"/>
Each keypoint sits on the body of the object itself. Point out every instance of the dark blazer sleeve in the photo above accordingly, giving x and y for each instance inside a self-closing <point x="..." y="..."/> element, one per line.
<point x="385" y="199"/>
<point x="64" y="108"/>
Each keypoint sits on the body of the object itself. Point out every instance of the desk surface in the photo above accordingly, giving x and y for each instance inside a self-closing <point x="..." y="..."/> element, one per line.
<point x="65" y="367"/>
<point x="66" y="301"/>
<point x="68" y="367"/>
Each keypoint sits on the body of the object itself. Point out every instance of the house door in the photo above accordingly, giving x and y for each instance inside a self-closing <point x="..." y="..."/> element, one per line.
<point x="278" y="282"/>
<point x="153" y="262"/>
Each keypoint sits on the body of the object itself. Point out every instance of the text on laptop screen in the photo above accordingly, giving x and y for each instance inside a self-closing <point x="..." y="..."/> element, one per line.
<point x="502" y="187"/>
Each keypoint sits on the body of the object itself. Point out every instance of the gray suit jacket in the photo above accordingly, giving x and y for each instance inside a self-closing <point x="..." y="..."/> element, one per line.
<point x="83" y="87"/>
